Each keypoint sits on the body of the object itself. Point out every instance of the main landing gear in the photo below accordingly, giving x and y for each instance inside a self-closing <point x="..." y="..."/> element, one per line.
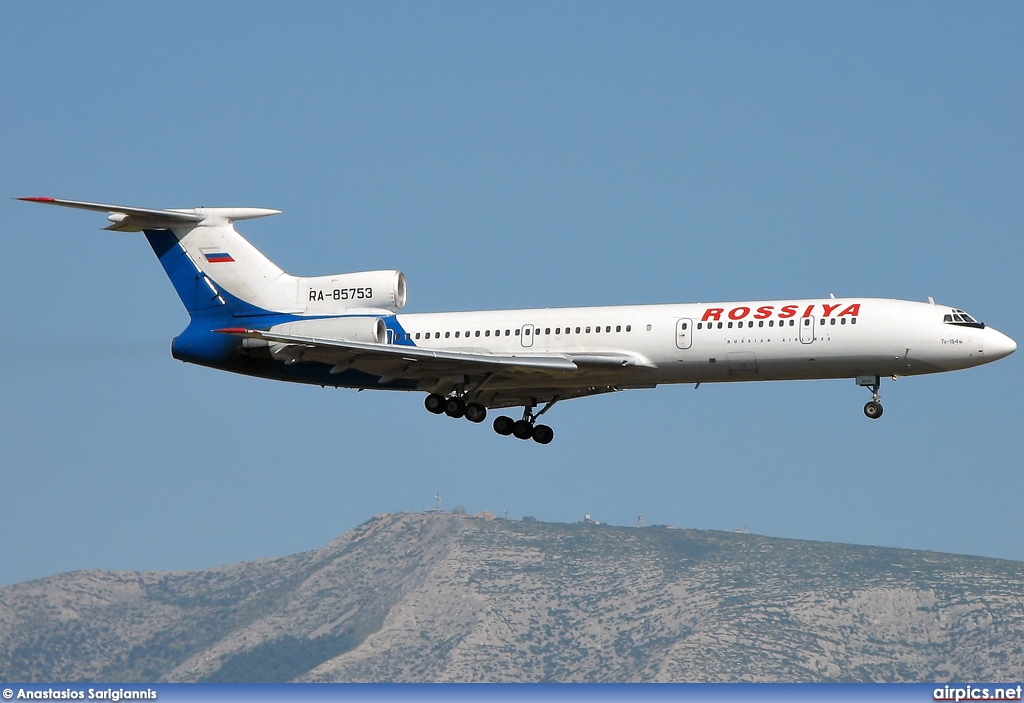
<point x="455" y="407"/>
<point x="527" y="428"/>
<point x="873" y="408"/>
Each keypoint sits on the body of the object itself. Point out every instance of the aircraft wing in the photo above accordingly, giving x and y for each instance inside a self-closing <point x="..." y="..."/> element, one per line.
<point x="537" y="375"/>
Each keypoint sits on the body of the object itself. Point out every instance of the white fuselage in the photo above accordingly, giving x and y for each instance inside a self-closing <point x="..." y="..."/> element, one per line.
<point x="739" y="341"/>
<point x="248" y="316"/>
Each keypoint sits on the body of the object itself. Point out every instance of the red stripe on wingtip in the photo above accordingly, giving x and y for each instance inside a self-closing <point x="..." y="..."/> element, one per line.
<point x="39" y="200"/>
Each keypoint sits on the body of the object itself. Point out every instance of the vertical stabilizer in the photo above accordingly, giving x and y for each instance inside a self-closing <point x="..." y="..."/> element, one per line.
<point x="212" y="267"/>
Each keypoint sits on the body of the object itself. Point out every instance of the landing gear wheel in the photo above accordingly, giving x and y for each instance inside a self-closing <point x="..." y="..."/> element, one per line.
<point x="522" y="429"/>
<point x="503" y="425"/>
<point x="475" y="412"/>
<point x="542" y="434"/>
<point x="434" y="403"/>
<point x="454" y="407"/>
<point x="873" y="409"/>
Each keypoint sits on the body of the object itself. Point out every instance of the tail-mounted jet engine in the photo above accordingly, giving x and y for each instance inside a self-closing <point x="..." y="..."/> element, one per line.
<point x="356" y="328"/>
<point x="368" y="329"/>
<point x="344" y="291"/>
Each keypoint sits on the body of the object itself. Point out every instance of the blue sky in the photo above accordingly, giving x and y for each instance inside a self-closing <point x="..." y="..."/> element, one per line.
<point x="505" y="155"/>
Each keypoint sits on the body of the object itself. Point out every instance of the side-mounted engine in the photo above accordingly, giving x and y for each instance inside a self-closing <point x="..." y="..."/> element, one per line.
<point x="356" y="328"/>
<point x="341" y="292"/>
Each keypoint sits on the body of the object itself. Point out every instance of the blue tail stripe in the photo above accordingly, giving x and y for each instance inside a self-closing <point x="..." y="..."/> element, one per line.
<point x="188" y="281"/>
<point x="211" y="308"/>
<point x="193" y="286"/>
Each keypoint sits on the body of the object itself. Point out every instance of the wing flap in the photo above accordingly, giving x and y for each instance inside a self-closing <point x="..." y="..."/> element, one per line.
<point x="419" y="362"/>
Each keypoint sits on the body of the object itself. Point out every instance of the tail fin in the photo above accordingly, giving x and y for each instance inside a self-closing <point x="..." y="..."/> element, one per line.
<point x="212" y="267"/>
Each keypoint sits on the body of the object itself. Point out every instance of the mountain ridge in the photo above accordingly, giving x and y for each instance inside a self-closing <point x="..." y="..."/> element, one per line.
<point x="439" y="597"/>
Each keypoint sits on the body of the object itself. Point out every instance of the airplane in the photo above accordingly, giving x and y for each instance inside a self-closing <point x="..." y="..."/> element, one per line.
<point x="248" y="316"/>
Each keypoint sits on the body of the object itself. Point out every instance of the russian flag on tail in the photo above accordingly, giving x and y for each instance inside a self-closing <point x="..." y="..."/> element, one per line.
<point x="218" y="257"/>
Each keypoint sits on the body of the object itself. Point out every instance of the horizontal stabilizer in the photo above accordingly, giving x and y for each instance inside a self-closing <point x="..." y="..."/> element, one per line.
<point x="136" y="219"/>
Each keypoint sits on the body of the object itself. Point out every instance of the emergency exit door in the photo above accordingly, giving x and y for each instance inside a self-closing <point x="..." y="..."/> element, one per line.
<point x="807" y="330"/>
<point x="684" y="333"/>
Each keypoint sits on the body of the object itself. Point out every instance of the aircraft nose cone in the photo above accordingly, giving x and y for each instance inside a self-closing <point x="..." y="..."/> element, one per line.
<point x="998" y="345"/>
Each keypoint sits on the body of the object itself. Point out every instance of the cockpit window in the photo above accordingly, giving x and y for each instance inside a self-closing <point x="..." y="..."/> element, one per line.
<point x="959" y="317"/>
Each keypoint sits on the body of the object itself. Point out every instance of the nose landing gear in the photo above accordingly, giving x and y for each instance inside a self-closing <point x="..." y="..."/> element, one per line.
<point x="873" y="408"/>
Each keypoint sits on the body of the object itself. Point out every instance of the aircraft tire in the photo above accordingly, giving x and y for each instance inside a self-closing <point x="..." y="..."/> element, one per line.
<point x="542" y="434"/>
<point x="503" y="425"/>
<point x="873" y="409"/>
<point x="476" y="412"/>
<point x="434" y="403"/>
<point x="522" y="429"/>
<point x="454" y="407"/>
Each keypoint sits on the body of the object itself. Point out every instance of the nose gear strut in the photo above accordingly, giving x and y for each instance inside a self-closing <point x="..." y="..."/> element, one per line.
<point x="873" y="408"/>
